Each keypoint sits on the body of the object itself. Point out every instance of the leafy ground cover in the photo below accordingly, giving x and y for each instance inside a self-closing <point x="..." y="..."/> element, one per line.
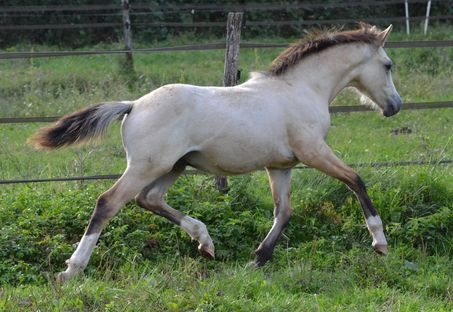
<point x="324" y="260"/>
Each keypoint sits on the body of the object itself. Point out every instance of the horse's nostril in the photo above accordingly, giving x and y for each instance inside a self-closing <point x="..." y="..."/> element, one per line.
<point x="389" y="111"/>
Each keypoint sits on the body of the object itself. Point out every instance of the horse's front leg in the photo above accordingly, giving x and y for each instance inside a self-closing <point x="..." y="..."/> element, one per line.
<point x="280" y="182"/>
<point x="321" y="157"/>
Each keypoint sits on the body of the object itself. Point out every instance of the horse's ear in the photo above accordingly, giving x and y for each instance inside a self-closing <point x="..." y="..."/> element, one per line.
<point x="383" y="35"/>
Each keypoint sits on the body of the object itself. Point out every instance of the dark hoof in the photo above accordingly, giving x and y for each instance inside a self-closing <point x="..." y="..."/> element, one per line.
<point x="207" y="251"/>
<point x="262" y="257"/>
<point x="381" y="250"/>
<point x="259" y="263"/>
<point x="253" y="265"/>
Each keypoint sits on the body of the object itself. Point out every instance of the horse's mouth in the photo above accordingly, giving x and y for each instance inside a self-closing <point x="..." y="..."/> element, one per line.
<point x="393" y="106"/>
<point x="388" y="112"/>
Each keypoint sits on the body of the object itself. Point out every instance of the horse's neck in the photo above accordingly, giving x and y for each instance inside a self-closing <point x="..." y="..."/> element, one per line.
<point x="330" y="71"/>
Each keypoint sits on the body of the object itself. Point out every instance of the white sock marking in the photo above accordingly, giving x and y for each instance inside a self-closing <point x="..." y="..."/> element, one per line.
<point x="196" y="229"/>
<point x="81" y="255"/>
<point x="376" y="229"/>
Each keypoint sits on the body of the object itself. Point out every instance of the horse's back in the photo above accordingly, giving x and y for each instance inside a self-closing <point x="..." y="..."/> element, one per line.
<point x="206" y="109"/>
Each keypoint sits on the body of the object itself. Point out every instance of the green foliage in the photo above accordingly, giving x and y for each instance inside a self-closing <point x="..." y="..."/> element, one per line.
<point x="41" y="226"/>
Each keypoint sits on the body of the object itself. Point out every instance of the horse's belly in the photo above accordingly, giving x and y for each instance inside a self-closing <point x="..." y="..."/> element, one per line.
<point x="227" y="164"/>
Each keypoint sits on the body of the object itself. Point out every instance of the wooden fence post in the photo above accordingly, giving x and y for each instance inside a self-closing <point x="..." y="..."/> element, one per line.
<point x="230" y="73"/>
<point x="127" y="34"/>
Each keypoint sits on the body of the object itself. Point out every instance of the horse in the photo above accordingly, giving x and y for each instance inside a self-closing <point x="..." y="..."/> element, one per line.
<point x="274" y="120"/>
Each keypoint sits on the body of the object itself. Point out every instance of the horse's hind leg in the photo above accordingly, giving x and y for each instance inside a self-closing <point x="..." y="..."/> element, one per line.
<point x="107" y="206"/>
<point x="152" y="198"/>
<point x="280" y="182"/>
<point x="321" y="157"/>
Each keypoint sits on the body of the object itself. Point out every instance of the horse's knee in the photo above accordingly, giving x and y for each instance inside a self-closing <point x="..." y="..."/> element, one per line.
<point x="282" y="211"/>
<point x="285" y="215"/>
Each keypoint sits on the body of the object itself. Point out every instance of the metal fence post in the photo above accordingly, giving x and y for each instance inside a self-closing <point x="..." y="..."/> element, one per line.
<point x="230" y="76"/>
<point x="406" y="11"/>
<point x="428" y="9"/>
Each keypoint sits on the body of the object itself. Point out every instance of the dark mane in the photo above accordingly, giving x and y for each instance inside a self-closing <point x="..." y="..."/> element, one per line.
<point x="316" y="42"/>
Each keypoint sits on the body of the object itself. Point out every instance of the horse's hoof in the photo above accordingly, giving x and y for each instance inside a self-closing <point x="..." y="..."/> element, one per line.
<point x="256" y="264"/>
<point x="262" y="256"/>
<point x="207" y="251"/>
<point x="251" y="265"/>
<point x="381" y="250"/>
<point x="259" y="263"/>
<point x="63" y="278"/>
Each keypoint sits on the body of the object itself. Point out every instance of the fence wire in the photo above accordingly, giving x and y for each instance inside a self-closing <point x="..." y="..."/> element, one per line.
<point x="206" y="47"/>
<point x="202" y="7"/>
<point x="332" y="109"/>
<point x="294" y="23"/>
<point x="198" y="172"/>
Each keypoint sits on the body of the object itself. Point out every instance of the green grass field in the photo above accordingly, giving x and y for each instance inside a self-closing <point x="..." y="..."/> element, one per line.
<point x="324" y="261"/>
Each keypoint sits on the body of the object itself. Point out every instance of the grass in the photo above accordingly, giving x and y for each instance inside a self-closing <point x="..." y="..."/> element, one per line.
<point x="192" y="285"/>
<point x="324" y="260"/>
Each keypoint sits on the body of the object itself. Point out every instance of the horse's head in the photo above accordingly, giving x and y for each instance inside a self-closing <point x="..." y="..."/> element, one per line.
<point x="374" y="79"/>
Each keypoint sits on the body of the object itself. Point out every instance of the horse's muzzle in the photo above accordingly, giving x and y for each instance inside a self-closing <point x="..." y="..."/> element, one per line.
<point x="393" y="106"/>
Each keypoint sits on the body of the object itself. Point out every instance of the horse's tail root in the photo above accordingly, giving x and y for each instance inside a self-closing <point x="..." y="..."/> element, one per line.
<point x="81" y="126"/>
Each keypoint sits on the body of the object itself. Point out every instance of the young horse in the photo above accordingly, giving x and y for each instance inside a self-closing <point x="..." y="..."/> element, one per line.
<point x="274" y="121"/>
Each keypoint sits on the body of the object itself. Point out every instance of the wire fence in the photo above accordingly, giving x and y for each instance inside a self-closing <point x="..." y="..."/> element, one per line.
<point x="198" y="172"/>
<point x="203" y="7"/>
<point x="205" y="47"/>
<point x="332" y="109"/>
<point x="144" y="9"/>
<point x="293" y="23"/>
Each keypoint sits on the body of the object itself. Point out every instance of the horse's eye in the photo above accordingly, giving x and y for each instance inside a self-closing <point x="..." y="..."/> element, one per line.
<point x="388" y="66"/>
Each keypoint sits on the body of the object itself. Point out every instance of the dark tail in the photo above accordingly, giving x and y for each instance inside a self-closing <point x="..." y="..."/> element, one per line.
<point x="81" y="126"/>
